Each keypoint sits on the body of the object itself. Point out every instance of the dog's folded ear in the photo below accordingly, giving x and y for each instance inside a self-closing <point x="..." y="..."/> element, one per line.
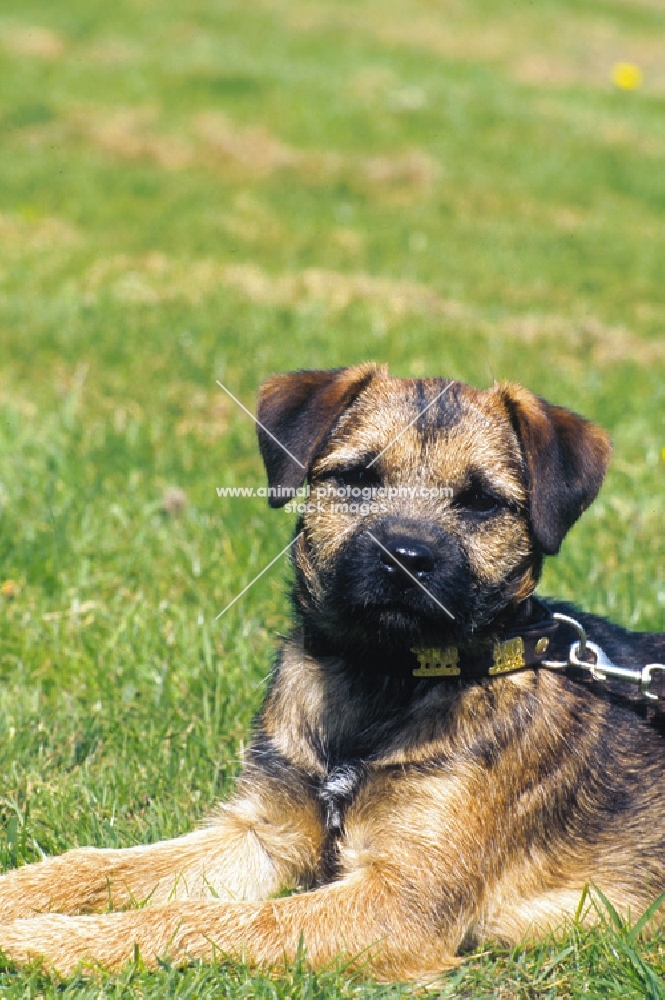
<point x="296" y="411"/>
<point x="565" y="457"/>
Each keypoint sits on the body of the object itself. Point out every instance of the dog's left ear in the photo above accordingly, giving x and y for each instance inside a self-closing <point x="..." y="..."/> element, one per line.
<point x="565" y="456"/>
<point x="295" y="411"/>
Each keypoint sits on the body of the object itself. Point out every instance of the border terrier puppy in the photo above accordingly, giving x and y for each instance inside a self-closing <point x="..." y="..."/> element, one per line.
<point x="415" y="769"/>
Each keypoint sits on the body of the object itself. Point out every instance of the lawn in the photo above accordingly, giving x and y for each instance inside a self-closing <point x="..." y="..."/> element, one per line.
<point x="218" y="190"/>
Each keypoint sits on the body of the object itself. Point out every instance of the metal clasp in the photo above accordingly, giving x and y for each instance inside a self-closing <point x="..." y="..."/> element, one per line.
<point x="602" y="667"/>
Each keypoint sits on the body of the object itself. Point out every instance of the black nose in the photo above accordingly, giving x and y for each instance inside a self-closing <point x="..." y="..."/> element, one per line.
<point x="414" y="557"/>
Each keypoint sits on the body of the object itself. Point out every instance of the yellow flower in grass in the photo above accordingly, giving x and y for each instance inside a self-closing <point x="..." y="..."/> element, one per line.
<point x="626" y="76"/>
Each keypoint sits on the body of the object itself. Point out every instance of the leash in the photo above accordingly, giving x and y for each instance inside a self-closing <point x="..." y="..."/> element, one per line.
<point x="525" y="647"/>
<point x="650" y="679"/>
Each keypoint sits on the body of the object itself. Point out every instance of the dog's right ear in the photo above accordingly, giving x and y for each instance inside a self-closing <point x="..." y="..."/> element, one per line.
<point x="295" y="412"/>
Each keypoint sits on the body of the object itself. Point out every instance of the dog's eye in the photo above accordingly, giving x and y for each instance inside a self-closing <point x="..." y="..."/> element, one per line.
<point x="479" y="501"/>
<point x="358" y="476"/>
<point x="484" y="503"/>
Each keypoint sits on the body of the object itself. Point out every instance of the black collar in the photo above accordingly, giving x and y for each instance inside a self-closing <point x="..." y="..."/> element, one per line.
<point x="521" y="647"/>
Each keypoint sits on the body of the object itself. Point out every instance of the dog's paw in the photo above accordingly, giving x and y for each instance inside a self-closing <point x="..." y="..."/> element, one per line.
<point x="63" y="945"/>
<point x="55" y="942"/>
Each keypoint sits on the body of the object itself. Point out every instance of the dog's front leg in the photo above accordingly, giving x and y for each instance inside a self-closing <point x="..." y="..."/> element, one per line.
<point x="367" y="917"/>
<point x="267" y="837"/>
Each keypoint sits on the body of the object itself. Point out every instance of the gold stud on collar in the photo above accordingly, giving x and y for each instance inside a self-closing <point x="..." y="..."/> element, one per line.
<point x="508" y="656"/>
<point x="437" y="662"/>
<point x="541" y="645"/>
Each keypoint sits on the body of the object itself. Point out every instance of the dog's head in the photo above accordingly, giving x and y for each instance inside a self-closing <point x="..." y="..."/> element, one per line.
<point x="431" y="503"/>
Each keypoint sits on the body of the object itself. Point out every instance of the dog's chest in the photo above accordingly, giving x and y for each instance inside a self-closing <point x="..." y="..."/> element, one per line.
<point x="354" y="755"/>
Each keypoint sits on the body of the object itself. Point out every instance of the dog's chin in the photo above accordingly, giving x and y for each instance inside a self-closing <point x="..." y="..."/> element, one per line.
<point x="393" y="625"/>
<point x="389" y="628"/>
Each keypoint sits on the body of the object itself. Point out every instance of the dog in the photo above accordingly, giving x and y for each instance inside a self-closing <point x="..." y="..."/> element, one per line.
<point x="418" y="773"/>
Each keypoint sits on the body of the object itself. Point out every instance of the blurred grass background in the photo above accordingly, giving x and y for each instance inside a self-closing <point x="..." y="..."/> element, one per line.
<point x="219" y="190"/>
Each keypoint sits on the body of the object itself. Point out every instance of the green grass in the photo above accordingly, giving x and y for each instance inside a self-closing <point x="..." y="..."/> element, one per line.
<point x="219" y="190"/>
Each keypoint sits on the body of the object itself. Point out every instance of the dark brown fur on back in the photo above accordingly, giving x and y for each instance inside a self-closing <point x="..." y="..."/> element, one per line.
<point x="421" y="815"/>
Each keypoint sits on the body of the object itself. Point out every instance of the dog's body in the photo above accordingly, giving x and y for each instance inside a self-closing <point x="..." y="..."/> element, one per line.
<point x="422" y="813"/>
